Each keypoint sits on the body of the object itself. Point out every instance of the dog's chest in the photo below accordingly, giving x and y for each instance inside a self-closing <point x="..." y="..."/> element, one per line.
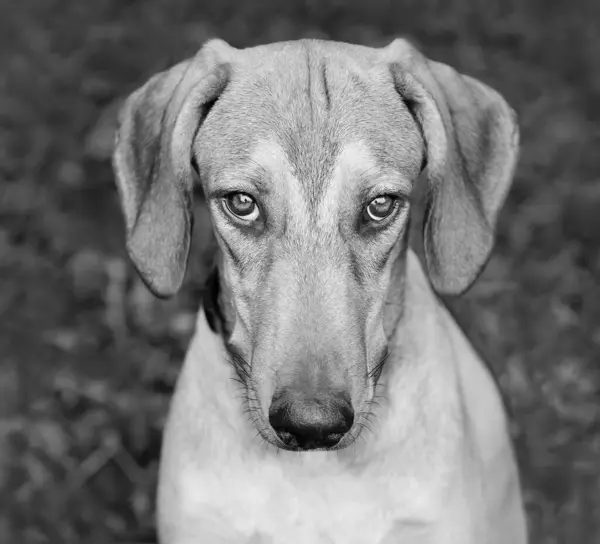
<point x="272" y="504"/>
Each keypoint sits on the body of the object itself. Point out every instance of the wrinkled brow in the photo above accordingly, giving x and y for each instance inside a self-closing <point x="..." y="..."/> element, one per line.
<point x="252" y="176"/>
<point x="382" y="179"/>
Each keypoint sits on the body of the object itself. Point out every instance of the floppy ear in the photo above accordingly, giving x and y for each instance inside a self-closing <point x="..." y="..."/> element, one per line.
<point x="471" y="139"/>
<point x="153" y="163"/>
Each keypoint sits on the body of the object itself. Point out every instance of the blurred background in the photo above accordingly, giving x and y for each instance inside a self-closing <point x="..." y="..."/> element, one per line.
<point x="88" y="358"/>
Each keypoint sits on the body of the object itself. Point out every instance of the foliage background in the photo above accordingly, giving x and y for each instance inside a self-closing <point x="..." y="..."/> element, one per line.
<point x="88" y="358"/>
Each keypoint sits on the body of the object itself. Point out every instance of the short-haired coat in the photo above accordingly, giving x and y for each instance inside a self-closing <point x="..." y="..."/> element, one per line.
<point x="327" y="395"/>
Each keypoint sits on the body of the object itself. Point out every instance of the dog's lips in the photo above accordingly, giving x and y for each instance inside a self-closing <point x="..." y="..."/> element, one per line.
<point x="345" y="442"/>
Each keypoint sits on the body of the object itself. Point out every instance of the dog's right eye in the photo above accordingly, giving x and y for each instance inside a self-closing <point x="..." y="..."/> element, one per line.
<point x="242" y="206"/>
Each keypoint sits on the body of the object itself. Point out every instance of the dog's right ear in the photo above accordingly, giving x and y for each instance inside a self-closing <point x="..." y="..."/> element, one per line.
<point x="153" y="163"/>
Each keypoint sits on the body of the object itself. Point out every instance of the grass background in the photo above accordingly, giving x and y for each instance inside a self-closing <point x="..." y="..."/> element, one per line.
<point x="88" y="358"/>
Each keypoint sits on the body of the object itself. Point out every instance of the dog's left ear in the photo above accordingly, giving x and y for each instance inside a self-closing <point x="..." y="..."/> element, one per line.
<point x="471" y="139"/>
<point x="153" y="163"/>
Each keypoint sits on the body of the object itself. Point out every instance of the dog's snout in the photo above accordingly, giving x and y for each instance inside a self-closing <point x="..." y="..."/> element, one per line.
<point x="308" y="424"/>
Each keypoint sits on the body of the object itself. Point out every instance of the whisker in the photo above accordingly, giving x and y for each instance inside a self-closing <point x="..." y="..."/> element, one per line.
<point x="369" y="416"/>
<point x="375" y="372"/>
<point x="236" y="379"/>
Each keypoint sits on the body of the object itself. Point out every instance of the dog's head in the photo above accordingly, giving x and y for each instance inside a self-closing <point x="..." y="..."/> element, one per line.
<point x="307" y="153"/>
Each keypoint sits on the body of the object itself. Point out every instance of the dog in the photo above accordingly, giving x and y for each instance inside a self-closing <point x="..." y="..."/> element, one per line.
<point x="327" y="395"/>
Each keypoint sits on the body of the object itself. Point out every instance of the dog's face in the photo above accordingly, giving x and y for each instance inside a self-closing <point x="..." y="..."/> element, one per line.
<point x="307" y="153"/>
<point x="308" y="181"/>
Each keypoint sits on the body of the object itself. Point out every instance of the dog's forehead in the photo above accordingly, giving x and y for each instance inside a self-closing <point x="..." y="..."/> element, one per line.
<point x="314" y="98"/>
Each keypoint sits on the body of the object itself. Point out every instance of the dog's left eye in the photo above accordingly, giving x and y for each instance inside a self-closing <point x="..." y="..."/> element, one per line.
<point x="242" y="206"/>
<point x="381" y="207"/>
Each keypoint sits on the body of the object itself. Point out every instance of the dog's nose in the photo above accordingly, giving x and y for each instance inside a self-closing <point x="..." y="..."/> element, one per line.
<point x="308" y="424"/>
